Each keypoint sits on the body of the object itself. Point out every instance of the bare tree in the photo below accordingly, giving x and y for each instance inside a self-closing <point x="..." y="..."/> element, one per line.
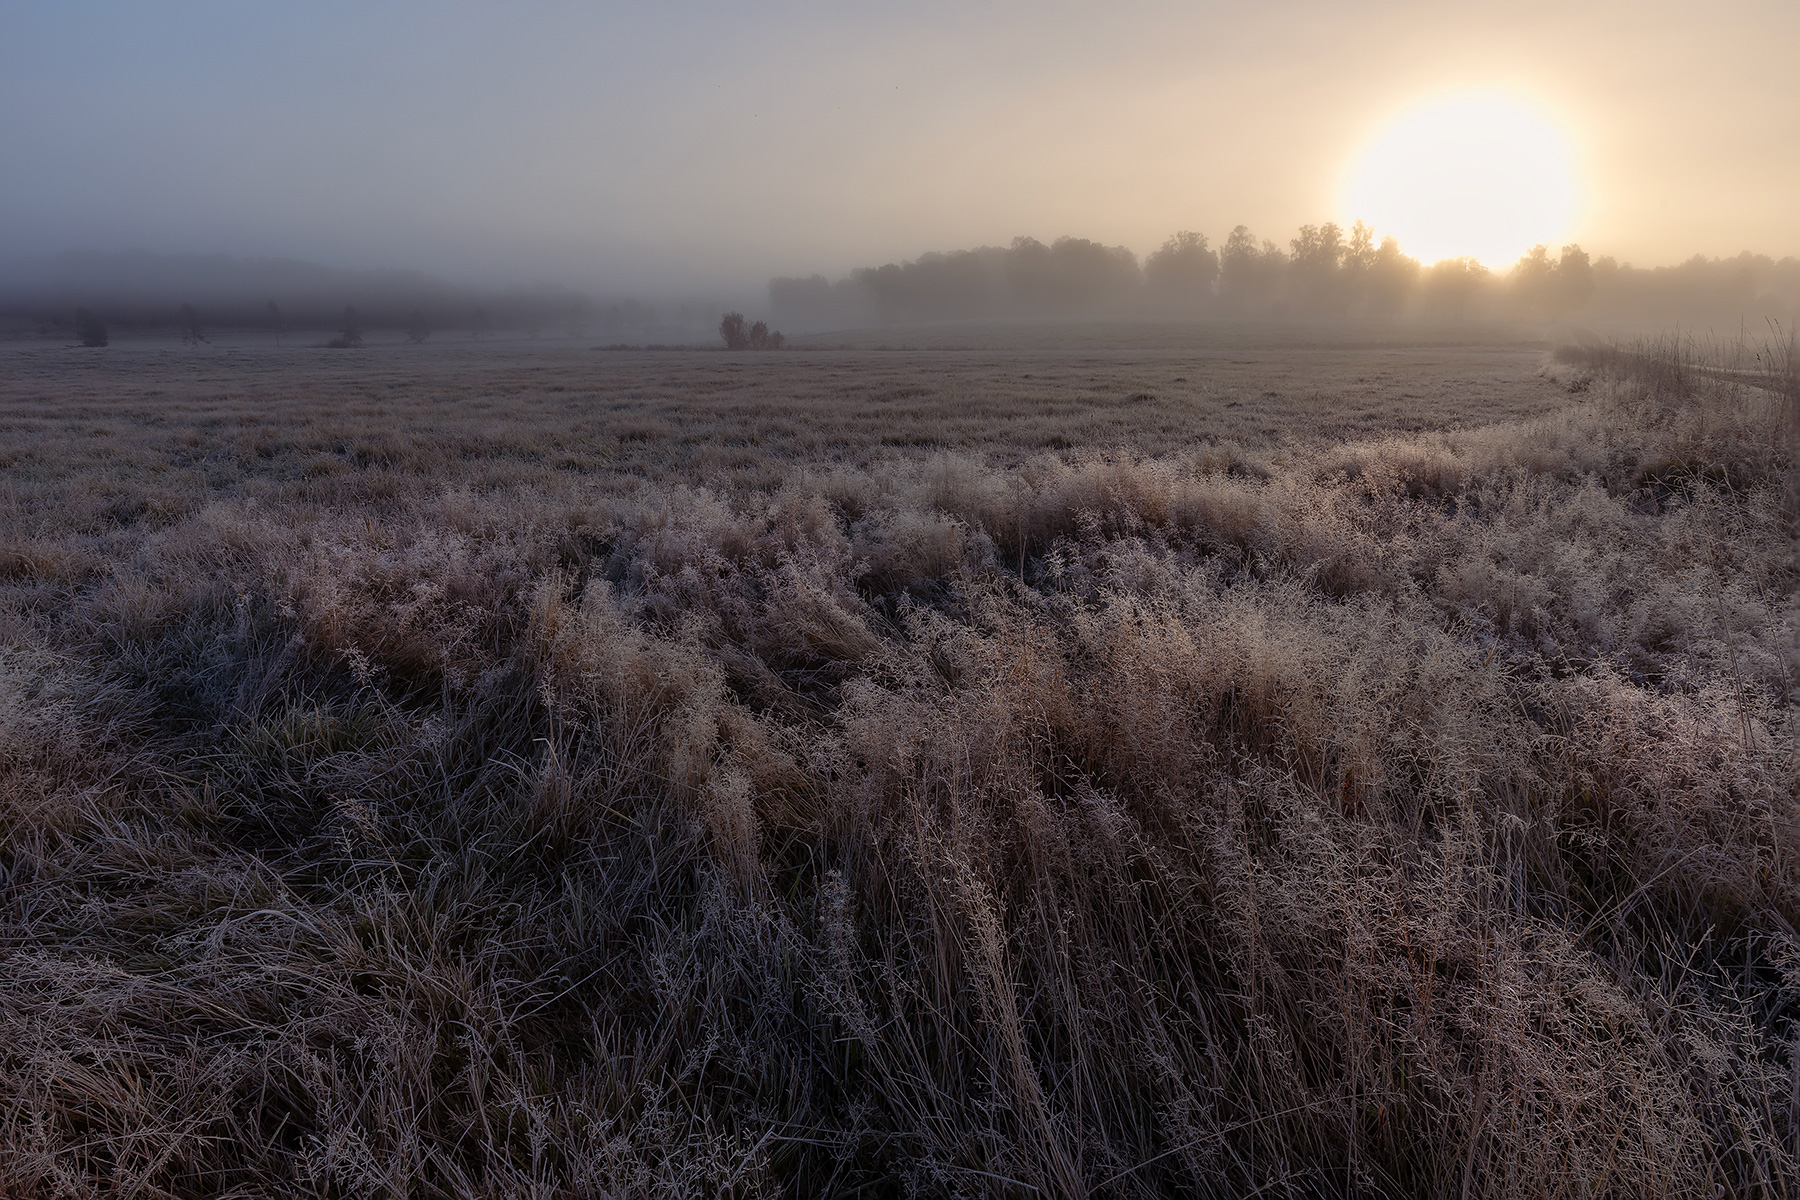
<point x="351" y="333"/>
<point x="759" y="335"/>
<point x="89" y="328"/>
<point x="731" y="328"/>
<point x="191" y="333"/>
<point x="276" y="322"/>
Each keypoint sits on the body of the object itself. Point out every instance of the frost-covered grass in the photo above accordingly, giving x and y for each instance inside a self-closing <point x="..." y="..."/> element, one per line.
<point x="677" y="775"/>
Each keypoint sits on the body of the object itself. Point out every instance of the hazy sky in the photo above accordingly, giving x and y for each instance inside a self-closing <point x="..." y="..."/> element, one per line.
<point x="675" y="145"/>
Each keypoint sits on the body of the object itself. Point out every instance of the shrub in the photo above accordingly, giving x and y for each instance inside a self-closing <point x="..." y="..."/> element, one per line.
<point x="731" y="328"/>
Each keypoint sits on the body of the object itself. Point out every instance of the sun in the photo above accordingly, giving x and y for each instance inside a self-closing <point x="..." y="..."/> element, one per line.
<point x="1486" y="175"/>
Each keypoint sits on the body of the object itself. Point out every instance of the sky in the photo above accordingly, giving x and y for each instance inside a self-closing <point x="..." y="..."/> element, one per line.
<point x="687" y="144"/>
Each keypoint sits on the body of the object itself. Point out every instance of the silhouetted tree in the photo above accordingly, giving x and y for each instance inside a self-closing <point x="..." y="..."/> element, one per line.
<point x="191" y="333"/>
<point x="350" y="335"/>
<point x="1574" y="279"/>
<point x="89" y="328"/>
<point x="1248" y="274"/>
<point x="1030" y="274"/>
<point x="1359" y="257"/>
<point x="776" y="340"/>
<point x="1541" y="285"/>
<point x="417" y="330"/>
<point x="817" y="302"/>
<point x="1451" y="284"/>
<point x="731" y="328"/>
<point x="759" y="335"/>
<point x="964" y="283"/>
<point x="1069" y="275"/>
<point x="1181" y="274"/>
<point x="1392" y="276"/>
<point x="1313" y="270"/>
<point x="276" y="322"/>
<point x="1533" y="279"/>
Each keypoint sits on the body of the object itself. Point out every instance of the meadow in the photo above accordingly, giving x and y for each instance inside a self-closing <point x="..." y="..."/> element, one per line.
<point x="1223" y="759"/>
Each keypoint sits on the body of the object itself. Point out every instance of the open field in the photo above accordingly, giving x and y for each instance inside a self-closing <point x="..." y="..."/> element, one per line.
<point x="745" y="419"/>
<point x="1041" y="764"/>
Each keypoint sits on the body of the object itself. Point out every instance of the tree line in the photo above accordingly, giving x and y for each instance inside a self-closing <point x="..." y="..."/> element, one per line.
<point x="211" y="298"/>
<point x="95" y="323"/>
<point x="1324" y="271"/>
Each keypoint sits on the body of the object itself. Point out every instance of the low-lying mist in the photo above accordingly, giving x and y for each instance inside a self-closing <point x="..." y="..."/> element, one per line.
<point x="1324" y="273"/>
<point x="137" y="294"/>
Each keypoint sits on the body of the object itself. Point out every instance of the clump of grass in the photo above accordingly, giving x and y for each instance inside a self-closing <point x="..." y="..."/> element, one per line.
<point x="1413" y="814"/>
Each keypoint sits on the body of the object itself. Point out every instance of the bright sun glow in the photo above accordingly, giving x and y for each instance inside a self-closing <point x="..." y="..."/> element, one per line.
<point x="1485" y="175"/>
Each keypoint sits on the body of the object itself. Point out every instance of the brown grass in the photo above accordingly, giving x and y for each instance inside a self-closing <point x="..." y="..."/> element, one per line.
<point x="661" y="774"/>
